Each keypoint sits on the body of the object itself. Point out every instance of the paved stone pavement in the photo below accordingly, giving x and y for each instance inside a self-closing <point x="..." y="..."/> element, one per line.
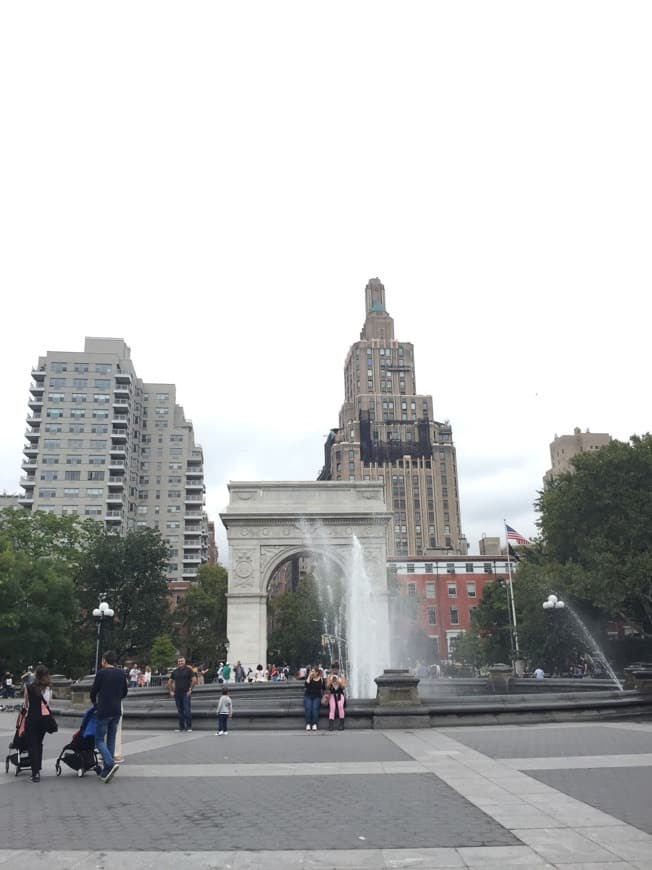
<point x="570" y="796"/>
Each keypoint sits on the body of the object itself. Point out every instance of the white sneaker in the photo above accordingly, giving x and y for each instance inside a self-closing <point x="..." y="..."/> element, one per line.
<point x="217" y="733"/>
<point x="189" y="730"/>
<point x="314" y="727"/>
<point x="307" y="727"/>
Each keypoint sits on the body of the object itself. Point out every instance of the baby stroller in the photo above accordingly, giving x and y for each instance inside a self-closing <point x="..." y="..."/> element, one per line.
<point x="80" y="754"/>
<point x="18" y="754"/>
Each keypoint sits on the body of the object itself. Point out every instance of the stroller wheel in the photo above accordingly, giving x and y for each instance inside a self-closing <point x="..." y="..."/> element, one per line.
<point x="80" y="772"/>
<point x="17" y="771"/>
<point x="6" y="766"/>
<point x="58" y="769"/>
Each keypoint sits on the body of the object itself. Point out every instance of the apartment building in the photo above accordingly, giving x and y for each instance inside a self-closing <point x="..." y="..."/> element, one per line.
<point x="565" y="447"/>
<point x="102" y="443"/>
<point x="387" y="431"/>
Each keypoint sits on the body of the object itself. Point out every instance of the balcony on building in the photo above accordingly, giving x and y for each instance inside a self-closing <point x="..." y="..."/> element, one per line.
<point x="37" y="390"/>
<point x="116" y="481"/>
<point x="114" y="498"/>
<point x="192" y="544"/>
<point x="120" y="406"/>
<point x="195" y="472"/>
<point x="32" y="434"/>
<point x="123" y="378"/>
<point x="191" y="515"/>
<point x="119" y="419"/>
<point x="119" y="451"/>
<point x="196" y="484"/>
<point x="189" y="574"/>
<point x="194" y="498"/>
<point x="113" y="516"/>
<point x="119" y="434"/>
<point x="27" y="499"/>
<point x="28" y="463"/>
<point x="27" y="480"/>
<point x="35" y="403"/>
<point x="122" y="392"/>
<point x="30" y="450"/>
<point x="39" y="374"/>
<point x="117" y="464"/>
<point x="34" y="419"/>
<point x="192" y="558"/>
<point x="195" y="458"/>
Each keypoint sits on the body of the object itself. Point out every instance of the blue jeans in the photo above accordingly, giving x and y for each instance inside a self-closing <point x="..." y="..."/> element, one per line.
<point x="223" y="722"/>
<point x="182" y="700"/>
<point x="105" y="733"/>
<point x="311" y="707"/>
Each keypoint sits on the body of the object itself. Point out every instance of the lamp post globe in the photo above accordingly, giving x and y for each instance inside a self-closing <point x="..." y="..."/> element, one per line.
<point x="101" y="614"/>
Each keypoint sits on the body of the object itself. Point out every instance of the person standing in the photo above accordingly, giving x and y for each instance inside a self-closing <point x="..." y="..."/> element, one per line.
<point x="538" y="674"/>
<point x="107" y="692"/>
<point x="239" y="672"/>
<point x="35" y="695"/>
<point x="312" y="697"/>
<point x="181" y="683"/>
<point x="226" y="672"/>
<point x="134" y="673"/>
<point x="224" y="712"/>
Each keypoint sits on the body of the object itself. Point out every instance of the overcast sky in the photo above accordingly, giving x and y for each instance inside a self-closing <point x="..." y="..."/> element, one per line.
<point x="215" y="183"/>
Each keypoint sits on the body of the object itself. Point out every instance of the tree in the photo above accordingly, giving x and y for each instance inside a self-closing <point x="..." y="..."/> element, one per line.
<point x="491" y="622"/>
<point x="163" y="652"/>
<point x="201" y="616"/>
<point x="131" y="572"/>
<point x="38" y="609"/>
<point x="595" y="529"/>
<point x="41" y="535"/>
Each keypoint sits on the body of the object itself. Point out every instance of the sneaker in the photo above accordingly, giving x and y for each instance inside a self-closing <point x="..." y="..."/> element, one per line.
<point x="226" y="733"/>
<point x="220" y="732"/>
<point x="189" y="731"/>
<point x="109" y="774"/>
<point x="179" y="730"/>
<point x="36" y="777"/>
<point x="314" y="727"/>
<point x="307" y="727"/>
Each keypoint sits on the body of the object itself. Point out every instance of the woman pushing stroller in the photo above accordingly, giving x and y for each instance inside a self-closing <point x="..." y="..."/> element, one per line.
<point x="36" y="696"/>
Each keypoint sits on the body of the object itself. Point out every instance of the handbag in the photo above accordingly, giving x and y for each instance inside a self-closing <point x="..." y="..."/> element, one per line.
<point x="325" y="699"/>
<point x="49" y="722"/>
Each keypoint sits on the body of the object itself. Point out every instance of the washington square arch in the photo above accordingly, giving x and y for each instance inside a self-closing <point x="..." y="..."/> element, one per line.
<point x="269" y="523"/>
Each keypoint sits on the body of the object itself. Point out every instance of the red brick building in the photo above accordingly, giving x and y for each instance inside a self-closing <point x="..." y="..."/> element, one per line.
<point x="444" y="591"/>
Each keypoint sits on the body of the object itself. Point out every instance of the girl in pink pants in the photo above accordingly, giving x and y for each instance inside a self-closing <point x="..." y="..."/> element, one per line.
<point x="335" y="686"/>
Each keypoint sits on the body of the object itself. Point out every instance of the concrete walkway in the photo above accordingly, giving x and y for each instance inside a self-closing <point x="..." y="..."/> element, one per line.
<point x="541" y="796"/>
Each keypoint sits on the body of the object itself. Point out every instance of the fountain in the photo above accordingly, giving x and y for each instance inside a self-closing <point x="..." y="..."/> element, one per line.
<point x="354" y="612"/>
<point x="554" y="603"/>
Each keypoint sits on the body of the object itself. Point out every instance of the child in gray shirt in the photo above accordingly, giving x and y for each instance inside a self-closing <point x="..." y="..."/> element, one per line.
<point x="224" y="712"/>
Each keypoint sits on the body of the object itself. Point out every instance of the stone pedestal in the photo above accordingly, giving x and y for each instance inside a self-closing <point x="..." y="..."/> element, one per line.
<point x="397" y="687"/>
<point x="60" y="686"/>
<point x="639" y="676"/>
<point x="500" y="676"/>
<point x="79" y="691"/>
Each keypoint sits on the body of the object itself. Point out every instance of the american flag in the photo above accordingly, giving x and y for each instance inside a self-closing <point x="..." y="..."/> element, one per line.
<point x="513" y="535"/>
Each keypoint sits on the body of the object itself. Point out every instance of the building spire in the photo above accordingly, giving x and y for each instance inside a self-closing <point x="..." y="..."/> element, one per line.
<point x="378" y="323"/>
<point x="375" y="296"/>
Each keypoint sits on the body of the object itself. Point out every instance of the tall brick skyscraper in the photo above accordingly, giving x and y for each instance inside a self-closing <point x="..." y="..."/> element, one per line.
<point x="387" y="431"/>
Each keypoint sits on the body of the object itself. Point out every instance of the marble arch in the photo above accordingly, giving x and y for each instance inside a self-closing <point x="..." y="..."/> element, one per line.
<point x="268" y="522"/>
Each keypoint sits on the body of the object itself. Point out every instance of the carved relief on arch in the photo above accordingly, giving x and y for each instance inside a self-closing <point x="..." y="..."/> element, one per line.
<point x="242" y="577"/>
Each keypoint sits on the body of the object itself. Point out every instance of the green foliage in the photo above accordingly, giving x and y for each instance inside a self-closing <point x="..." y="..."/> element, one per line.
<point x="130" y="570"/>
<point x="41" y="535"/>
<point x="37" y="612"/>
<point x="201" y="616"/>
<point x="296" y="618"/>
<point x="595" y="530"/>
<point x="470" y="650"/>
<point x="491" y="624"/>
<point x="163" y="652"/>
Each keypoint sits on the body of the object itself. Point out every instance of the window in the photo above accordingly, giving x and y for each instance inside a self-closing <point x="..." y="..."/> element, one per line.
<point x="93" y="510"/>
<point x="94" y="491"/>
<point x="488" y="568"/>
<point x="162" y="397"/>
<point x="99" y="428"/>
<point x="432" y="616"/>
<point x="469" y="567"/>
<point x="452" y="590"/>
<point x="77" y="413"/>
<point x="71" y="492"/>
<point x="50" y="459"/>
<point x="56" y="397"/>
<point x="96" y="460"/>
<point x="100" y="415"/>
<point x="73" y="460"/>
<point x="80" y="382"/>
<point x="410" y="568"/>
<point x="78" y="398"/>
<point x="51" y="444"/>
<point x="162" y="412"/>
<point x="57" y="382"/>
<point x="95" y="475"/>
<point x="54" y="412"/>
<point x="173" y="524"/>
<point x="450" y="567"/>
<point x="103" y="368"/>
<point x="49" y="475"/>
<point x="73" y="475"/>
<point x="412" y="590"/>
<point x="174" y="493"/>
<point x="47" y="493"/>
<point x="81" y="367"/>
<point x="471" y="590"/>
<point x="430" y="590"/>
<point x="76" y="428"/>
<point x="101" y="398"/>
<point x="455" y="618"/>
<point x="98" y="444"/>
<point x="75" y="443"/>
<point x="141" y="509"/>
<point x="58" y="366"/>
<point x="429" y="568"/>
<point x="53" y="427"/>
<point x="102" y="383"/>
<point x="173" y="508"/>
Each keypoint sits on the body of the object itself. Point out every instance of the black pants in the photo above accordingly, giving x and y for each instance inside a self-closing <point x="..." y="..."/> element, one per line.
<point x="35" y="735"/>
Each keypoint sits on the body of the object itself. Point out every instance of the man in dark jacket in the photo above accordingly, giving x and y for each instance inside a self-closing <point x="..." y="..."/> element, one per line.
<point x="109" y="688"/>
<point x="181" y="682"/>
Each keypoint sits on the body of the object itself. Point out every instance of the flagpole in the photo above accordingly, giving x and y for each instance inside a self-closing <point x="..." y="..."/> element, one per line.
<point x="511" y="591"/>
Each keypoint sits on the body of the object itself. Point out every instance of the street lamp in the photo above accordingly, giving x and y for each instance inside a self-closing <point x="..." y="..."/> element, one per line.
<point x="101" y="614"/>
<point x="553" y="603"/>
